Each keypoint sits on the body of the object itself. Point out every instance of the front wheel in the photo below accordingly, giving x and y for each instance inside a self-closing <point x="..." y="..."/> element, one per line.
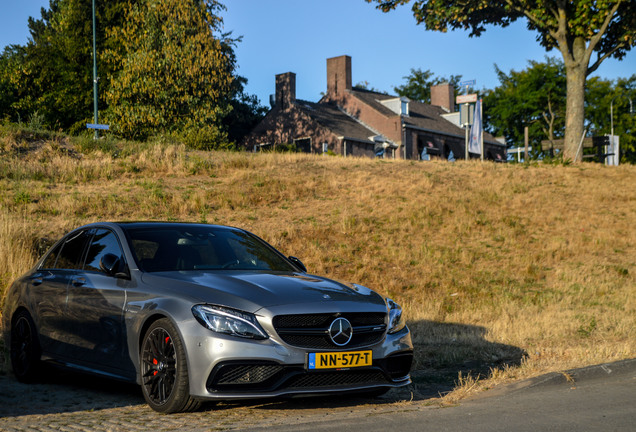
<point x="164" y="369"/>
<point x="25" y="348"/>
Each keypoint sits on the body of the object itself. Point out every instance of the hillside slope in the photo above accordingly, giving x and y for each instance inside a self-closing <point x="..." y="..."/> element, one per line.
<point x="517" y="269"/>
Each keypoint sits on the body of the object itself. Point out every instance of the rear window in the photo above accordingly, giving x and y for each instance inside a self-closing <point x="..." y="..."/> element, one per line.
<point x="73" y="249"/>
<point x="51" y="258"/>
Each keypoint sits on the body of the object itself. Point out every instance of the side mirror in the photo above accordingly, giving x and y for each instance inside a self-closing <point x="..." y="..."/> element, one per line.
<point x="110" y="264"/>
<point x="298" y="263"/>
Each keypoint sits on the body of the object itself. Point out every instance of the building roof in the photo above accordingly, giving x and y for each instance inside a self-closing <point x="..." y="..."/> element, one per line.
<point x="334" y="119"/>
<point x="421" y="115"/>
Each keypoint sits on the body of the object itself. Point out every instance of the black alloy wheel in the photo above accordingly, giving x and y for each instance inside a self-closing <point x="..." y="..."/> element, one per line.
<point x="25" y="348"/>
<point x="164" y="370"/>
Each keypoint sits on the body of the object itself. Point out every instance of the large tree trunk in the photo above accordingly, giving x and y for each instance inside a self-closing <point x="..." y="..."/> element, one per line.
<point x="575" y="110"/>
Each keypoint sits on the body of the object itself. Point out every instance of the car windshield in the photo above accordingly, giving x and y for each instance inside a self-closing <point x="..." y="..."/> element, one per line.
<point x="192" y="247"/>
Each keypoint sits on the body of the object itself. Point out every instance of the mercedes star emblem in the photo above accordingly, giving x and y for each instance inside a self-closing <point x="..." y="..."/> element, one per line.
<point x="340" y="331"/>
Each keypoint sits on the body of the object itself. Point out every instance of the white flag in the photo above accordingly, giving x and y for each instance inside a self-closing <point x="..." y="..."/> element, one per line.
<point x="476" y="131"/>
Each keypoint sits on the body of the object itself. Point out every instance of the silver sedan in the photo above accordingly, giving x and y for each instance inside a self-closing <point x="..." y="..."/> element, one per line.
<point x="195" y="312"/>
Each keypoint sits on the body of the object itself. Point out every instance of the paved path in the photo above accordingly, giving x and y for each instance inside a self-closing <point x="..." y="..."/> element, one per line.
<point x="600" y="398"/>
<point x="72" y="402"/>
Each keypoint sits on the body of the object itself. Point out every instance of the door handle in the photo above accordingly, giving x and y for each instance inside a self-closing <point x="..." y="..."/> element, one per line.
<point x="78" y="281"/>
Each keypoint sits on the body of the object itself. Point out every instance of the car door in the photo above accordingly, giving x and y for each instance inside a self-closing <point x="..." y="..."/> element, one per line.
<point x="95" y="304"/>
<point x="49" y="291"/>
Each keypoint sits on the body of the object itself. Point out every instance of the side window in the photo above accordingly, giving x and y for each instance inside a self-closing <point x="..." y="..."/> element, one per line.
<point x="72" y="251"/>
<point x="51" y="258"/>
<point x="104" y="242"/>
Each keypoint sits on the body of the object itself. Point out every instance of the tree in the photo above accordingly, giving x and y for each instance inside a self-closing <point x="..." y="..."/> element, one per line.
<point x="419" y="82"/>
<point x="12" y="88"/>
<point x="578" y="29"/>
<point x="175" y="76"/>
<point x="52" y="74"/>
<point x="534" y="97"/>
<point x="246" y="112"/>
<point x="60" y="64"/>
<point x="605" y="95"/>
<point x="164" y="68"/>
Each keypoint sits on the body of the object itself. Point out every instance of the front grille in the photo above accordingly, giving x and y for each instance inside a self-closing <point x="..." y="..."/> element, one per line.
<point x="311" y="330"/>
<point x="336" y="379"/>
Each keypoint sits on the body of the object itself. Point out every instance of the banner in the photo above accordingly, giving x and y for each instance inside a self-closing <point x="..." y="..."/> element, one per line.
<point x="614" y="151"/>
<point x="476" y="131"/>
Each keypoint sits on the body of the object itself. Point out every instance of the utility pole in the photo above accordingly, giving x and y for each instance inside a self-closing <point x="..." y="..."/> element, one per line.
<point x="96" y="117"/>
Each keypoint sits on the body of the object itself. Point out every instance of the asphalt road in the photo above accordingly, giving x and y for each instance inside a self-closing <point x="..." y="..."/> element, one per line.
<point x="599" y="398"/>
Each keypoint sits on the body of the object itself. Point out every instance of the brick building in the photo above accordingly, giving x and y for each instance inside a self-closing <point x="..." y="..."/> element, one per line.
<point x="351" y="121"/>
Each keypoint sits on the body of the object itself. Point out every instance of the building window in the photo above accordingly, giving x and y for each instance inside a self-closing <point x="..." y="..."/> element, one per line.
<point x="303" y="144"/>
<point x="405" y="107"/>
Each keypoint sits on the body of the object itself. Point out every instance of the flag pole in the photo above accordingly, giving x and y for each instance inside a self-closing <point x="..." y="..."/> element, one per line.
<point x="467" y="138"/>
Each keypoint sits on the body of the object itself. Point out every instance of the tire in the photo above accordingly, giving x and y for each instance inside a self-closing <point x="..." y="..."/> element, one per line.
<point x="164" y="370"/>
<point x="25" y="351"/>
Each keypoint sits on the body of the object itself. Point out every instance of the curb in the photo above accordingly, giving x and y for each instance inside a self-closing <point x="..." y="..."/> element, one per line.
<point x="571" y="376"/>
<point x="586" y="373"/>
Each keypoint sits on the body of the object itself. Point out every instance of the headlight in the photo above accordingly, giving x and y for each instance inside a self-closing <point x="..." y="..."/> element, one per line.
<point x="396" y="320"/>
<point x="228" y="321"/>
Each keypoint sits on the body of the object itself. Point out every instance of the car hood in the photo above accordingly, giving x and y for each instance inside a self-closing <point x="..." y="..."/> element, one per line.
<point x="251" y="291"/>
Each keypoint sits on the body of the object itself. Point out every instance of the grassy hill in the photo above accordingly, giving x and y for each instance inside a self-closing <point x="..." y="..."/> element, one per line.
<point x="511" y="269"/>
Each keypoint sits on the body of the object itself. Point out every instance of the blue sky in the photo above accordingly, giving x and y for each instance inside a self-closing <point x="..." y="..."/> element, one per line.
<point x="299" y="35"/>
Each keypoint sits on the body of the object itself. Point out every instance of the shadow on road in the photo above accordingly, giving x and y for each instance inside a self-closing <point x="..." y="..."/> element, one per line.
<point x="59" y="391"/>
<point x="442" y="351"/>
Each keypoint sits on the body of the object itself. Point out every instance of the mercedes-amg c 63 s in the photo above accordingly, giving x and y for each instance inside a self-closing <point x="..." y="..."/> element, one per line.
<point x="195" y="312"/>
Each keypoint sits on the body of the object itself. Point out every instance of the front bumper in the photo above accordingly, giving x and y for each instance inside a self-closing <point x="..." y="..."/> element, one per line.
<point x="223" y="367"/>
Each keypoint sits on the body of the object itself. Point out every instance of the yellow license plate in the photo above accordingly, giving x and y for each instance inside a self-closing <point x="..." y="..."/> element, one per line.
<point x="339" y="360"/>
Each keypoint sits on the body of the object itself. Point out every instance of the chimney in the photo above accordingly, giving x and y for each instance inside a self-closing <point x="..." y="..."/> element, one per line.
<point x="338" y="75"/>
<point x="443" y="95"/>
<point x="285" y="90"/>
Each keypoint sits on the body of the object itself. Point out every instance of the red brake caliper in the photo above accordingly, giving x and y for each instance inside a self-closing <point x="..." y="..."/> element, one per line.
<point x="154" y="360"/>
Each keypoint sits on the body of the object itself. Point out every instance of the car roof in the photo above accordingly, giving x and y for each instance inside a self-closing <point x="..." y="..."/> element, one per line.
<point x="156" y="224"/>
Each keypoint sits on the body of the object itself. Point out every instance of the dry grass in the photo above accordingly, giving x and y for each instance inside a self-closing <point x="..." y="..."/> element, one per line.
<point x="518" y="270"/>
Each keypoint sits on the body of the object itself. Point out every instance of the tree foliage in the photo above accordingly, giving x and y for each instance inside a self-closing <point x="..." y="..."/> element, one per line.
<point x="578" y="29"/>
<point x="535" y="97"/>
<point x="175" y="78"/>
<point x="366" y="85"/>
<point x="246" y="111"/>
<point x="607" y="97"/>
<point x="52" y="74"/>
<point x="418" y="85"/>
<point x="165" y="67"/>
<point x="12" y="87"/>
